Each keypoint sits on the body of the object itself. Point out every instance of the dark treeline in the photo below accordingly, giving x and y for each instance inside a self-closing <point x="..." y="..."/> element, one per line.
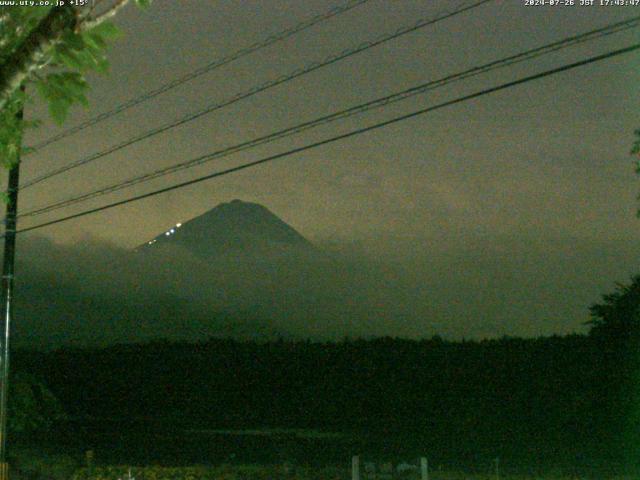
<point x="563" y="399"/>
<point x="569" y="400"/>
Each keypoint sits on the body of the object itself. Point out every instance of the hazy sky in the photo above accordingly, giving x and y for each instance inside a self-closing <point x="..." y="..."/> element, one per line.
<point x="522" y="201"/>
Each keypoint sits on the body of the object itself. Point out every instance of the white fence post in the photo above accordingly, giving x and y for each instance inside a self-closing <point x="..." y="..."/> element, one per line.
<point x="355" y="467"/>
<point x="424" y="468"/>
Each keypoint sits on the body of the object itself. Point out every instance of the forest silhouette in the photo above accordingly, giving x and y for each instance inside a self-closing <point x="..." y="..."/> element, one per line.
<point x="567" y="402"/>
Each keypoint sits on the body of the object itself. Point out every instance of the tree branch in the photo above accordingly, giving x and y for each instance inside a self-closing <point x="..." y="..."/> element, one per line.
<point x="111" y="12"/>
<point x="29" y="55"/>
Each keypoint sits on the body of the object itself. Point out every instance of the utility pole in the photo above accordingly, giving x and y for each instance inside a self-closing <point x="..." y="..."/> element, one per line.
<point x="6" y="297"/>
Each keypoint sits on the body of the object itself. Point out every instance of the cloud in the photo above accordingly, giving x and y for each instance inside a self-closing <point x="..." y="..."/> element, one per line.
<point x="479" y="286"/>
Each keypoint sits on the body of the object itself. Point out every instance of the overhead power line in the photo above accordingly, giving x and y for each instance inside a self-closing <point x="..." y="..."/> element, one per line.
<point x="254" y="47"/>
<point x="343" y="136"/>
<point x="258" y="89"/>
<point x="377" y="103"/>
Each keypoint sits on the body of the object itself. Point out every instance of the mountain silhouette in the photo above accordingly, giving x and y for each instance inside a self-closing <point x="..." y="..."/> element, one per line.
<point x="236" y="229"/>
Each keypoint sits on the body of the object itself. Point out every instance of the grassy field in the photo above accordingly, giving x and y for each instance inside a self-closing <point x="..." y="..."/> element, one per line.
<point x="38" y="465"/>
<point x="276" y="473"/>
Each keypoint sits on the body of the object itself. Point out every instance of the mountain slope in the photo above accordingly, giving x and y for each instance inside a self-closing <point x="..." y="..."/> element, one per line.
<point x="236" y="229"/>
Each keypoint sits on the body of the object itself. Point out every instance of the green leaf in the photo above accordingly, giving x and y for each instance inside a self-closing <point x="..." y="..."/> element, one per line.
<point x="635" y="150"/>
<point x="73" y="40"/>
<point x="69" y="58"/>
<point x="105" y="30"/>
<point x="58" y="109"/>
<point x="95" y="41"/>
<point x="102" y="64"/>
<point x="61" y="90"/>
<point x="143" y="4"/>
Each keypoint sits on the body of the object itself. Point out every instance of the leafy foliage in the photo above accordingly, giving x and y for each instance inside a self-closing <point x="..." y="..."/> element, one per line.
<point x="143" y="3"/>
<point x="76" y="52"/>
<point x="635" y="150"/>
<point x="35" y="464"/>
<point x="73" y="57"/>
<point x="17" y="23"/>
<point x="61" y="90"/>
<point x="618" y="316"/>
<point x="32" y="406"/>
<point x="11" y="130"/>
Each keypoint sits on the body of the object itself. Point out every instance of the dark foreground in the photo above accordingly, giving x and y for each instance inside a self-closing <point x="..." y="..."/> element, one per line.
<point x="547" y="407"/>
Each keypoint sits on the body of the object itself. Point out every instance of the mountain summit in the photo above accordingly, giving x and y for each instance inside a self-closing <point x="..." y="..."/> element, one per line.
<point x="236" y="228"/>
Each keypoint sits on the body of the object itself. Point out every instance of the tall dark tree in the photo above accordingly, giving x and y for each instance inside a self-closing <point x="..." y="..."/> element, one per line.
<point x="618" y="316"/>
<point x="615" y="330"/>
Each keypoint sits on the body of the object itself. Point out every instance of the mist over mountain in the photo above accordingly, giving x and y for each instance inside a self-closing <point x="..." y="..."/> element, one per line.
<point x="237" y="270"/>
<point x="240" y="271"/>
